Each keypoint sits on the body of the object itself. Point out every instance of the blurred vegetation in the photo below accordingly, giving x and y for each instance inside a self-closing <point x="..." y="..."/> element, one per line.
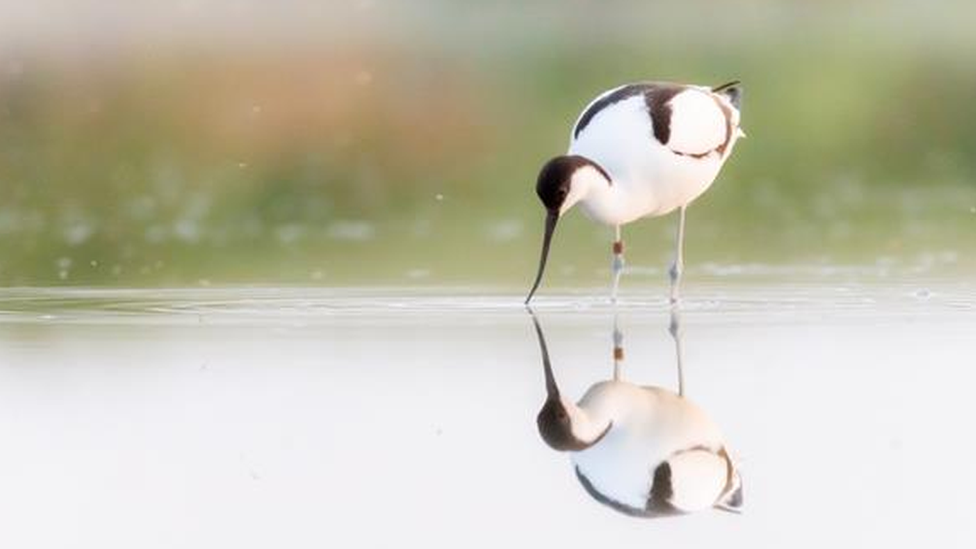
<point x="410" y="157"/>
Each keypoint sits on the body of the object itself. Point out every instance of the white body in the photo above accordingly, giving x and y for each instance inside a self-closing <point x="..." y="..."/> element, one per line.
<point x="652" y="425"/>
<point x="649" y="178"/>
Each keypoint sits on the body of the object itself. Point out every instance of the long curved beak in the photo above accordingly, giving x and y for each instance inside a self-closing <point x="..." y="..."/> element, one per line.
<point x="551" y="219"/>
<point x="552" y="391"/>
<point x="555" y="420"/>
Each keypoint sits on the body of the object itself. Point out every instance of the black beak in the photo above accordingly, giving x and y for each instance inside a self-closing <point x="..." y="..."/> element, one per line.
<point x="553" y="422"/>
<point x="551" y="218"/>
<point x="552" y="391"/>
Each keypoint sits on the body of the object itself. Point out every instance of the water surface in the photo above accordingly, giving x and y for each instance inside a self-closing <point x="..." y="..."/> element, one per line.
<point x="303" y="417"/>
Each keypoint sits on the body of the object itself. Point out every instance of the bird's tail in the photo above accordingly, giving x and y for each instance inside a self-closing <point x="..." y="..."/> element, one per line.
<point x="732" y="90"/>
<point x="725" y="86"/>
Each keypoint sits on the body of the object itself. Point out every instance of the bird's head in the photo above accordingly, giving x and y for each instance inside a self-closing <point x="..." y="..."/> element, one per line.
<point x="563" y="181"/>
<point x="563" y="425"/>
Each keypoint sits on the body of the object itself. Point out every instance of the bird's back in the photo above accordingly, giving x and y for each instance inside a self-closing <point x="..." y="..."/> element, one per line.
<point x="664" y="143"/>
<point x="651" y="426"/>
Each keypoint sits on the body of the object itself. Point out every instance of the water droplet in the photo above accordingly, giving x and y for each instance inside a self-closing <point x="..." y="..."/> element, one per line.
<point x="439" y="197"/>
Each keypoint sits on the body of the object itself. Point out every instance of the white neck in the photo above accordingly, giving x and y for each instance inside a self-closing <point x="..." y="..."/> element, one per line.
<point x="584" y="426"/>
<point x="604" y="201"/>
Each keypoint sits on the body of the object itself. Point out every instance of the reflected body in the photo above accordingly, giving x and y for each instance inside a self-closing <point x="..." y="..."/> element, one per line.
<point x="641" y="450"/>
<point x="640" y="150"/>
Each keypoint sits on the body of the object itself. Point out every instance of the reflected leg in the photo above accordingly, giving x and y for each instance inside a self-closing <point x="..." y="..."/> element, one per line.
<point x="677" y="334"/>
<point x="618" y="346"/>
<point x="679" y="261"/>
<point x="617" y="266"/>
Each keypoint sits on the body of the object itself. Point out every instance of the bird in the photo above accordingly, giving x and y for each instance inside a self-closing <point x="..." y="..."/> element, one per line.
<point x="640" y="150"/>
<point x="644" y="451"/>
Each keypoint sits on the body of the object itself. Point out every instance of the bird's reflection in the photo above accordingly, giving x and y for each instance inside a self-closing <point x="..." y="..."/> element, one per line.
<point x="642" y="450"/>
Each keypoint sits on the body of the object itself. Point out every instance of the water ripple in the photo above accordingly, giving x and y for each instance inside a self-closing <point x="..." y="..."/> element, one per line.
<point x="298" y="305"/>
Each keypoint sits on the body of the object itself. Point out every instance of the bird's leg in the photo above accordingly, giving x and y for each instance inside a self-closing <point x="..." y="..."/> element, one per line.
<point x="678" y="334"/>
<point x="679" y="262"/>
<point x="617" y="266"/>
<point x="675" y="327"/>
<point x="618" y="347"/>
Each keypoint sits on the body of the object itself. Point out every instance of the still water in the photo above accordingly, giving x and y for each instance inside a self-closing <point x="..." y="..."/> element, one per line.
<point x="263" y="417"/>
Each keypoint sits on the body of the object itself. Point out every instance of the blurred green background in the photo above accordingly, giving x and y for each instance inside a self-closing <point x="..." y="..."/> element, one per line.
<point x="370" y="142"/>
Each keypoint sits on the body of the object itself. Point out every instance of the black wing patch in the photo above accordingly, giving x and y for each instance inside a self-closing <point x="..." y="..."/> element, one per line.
<point x="611" y="98"/>
<point x="656" y="97"/>
<point x="650" y="511"/>
<point x="662" y="489"/>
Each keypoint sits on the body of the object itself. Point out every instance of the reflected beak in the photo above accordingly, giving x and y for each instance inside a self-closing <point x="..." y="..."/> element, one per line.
<point x="551" y="219"/>
<point x="552" y="390"/>
<point x="555" y="421"/>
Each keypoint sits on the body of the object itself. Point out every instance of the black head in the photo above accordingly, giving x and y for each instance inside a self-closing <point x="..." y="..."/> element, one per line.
<point x="554" y="181"/>
<point x="554" y="420"/>
<point x="556" y="176"/>
<point x="555" y="427"/>
<point x="554" y="187"/>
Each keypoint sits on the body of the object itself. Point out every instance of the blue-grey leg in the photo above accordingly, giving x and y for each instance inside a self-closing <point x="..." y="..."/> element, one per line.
<point x="678" y="334"/>
<point x="679" y="261"/>
<point x="618" y="346"/>
<point x="617" y="266"/>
